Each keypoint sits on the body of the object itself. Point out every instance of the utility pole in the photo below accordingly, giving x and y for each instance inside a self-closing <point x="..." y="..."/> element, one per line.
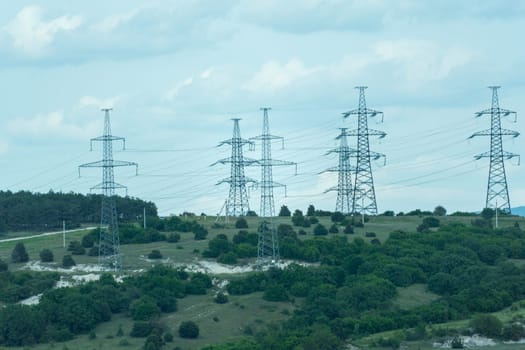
<point x="497" y="184"/>
<point x="144" y="216"/>
<point x="364" y="196"/>
<point x="344" y="202"/>
<point x="109" y="243"/>
<point x="268" y="244"/>
<point x="64" y="233"/>
<point x="237" y="203"/>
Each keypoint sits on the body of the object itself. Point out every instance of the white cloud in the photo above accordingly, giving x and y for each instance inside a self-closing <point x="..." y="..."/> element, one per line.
<point x="32" y="35"/>
<point x="110" y="23"/>
<point x="422" y="60"/>
<point x="172" y="93"/>
<point x="90" y="101"/>
<point x="274" y="75"/>
<point x="207" y="73"/>
<point x="52" y="124"/>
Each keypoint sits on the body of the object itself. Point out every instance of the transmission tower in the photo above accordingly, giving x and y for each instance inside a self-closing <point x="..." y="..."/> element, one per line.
<point x="268" y="245"/>
<point x="344" y="175"/>
<point x="364" y="197"/>
<point x="109" y="243"/>
<point x="497" y="190"/>
<point x="237" y="202"/>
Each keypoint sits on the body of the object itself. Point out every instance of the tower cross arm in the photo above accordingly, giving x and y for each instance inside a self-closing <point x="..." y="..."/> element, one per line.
<point x="368" y="111"/>
<point x="236" y="142"/>
<point x="244" y="161"/>
<point x="229" y="180"/>
<point x="112" y="185"/>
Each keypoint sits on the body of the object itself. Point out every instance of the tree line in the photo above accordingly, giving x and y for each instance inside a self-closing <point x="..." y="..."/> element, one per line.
<point x="24" y="210"/>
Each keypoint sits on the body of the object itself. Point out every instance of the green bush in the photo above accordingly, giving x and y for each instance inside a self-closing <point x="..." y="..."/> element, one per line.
<point x="221" y="298"/>
<point x="19" y="253"/>
<point x="188" y="329"/>
<point x="141" y="329"/>
<point x="68" y="261"/>
<point x="241" y="223"/>
<point x="487" y="325"/>
<point x="154" y="254"/>
<point x="46" y="255"/>
<point x="320" y="230"/>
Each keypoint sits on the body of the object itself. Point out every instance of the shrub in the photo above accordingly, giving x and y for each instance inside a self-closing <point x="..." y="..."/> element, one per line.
<point x="188" y="329"/>
<point x="513" y="332"/>
<point x="221" y="298"/>
<point x="144" y="309"/>
<point x="155" y="254"/>
<point x="46" y="255"/>
<point x="173" y="238"/>
<point x="93" y="251"/>
<point x="457" y="343"/>
<point x="229" y="258"/>
<point x="76" y="248"/>
<point x="19" y="253"/>
<point x="3" y="266"/>
<point x="337" y="217"/>
<point x="370" y="234"/>
<point x="88" y="241"/>
<point x="241" y="223"/>
<point x="349" y="229"/>
<point x="67" y="261"/>
<point x="487" y="325"/>
<point x="168" y="337"/>
<point x="141" y="329"/>
<point x="333" y="229"/>
<point x="320" y="230"/>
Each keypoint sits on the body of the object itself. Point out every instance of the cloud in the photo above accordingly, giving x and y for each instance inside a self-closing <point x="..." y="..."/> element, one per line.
<point x="274" y="75"/>
<point x="90" y="101"/>
<point x="32" y="35"/>
<point x="207" y="73"/>
<point x="110" y="23"/>
<point x="172" y="93"/>
<point x="305" y="16"/>
<point x="52" y="123"/>
<point x="422" y="60"/>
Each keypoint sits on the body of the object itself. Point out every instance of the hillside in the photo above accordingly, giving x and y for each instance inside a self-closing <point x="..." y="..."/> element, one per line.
<point x="383" y="277"/>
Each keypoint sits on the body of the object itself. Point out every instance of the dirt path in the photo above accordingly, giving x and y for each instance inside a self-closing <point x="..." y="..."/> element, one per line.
<point x="44" y="234"/>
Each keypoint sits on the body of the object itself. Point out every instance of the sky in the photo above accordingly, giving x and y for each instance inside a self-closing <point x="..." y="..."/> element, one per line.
<point x="177" y="72"/>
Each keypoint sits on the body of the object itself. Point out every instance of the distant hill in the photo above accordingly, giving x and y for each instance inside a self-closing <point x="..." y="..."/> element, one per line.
<point x="518" y="211"/>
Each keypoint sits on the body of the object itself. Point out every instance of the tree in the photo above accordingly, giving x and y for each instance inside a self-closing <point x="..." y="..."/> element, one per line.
<point x="155" y="254"/>
<point x="67" y="261"/>
<point x="221" y="298"/>
<point x="333" y="229"/>
<point x="285" y="211"/>
<point x="19" y="253"/>
<point x="310" y="211"/>
<point x="144" y="309"/>
<point x="487" y="325"/>
<point x="487" y="214"/>
<point x="298" y="218"/>
<point x="3" y="266"/>
<point x="188" y="329"/>
<point x="46" y="255"/>
<point x="320" y="230"/>
<point x="337" y="216"/>
<point x="440" y="211"/>
<point x="241" y="223"/>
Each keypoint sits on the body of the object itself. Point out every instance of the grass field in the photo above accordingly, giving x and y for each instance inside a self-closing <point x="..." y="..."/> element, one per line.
<point x="414" y="296"/>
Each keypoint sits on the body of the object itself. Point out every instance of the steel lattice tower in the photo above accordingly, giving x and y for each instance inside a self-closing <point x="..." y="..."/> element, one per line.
<point x="237" y="203"/>
<point x="109" y="243"/>
<point x="268" y="245"/>
<point x="497" y="190"/>
<point x="344" y="175"/>
<point x="364" y="197"/>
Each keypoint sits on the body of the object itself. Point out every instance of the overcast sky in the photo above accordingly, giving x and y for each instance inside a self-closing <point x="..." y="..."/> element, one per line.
<point x="176" y="72"/>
